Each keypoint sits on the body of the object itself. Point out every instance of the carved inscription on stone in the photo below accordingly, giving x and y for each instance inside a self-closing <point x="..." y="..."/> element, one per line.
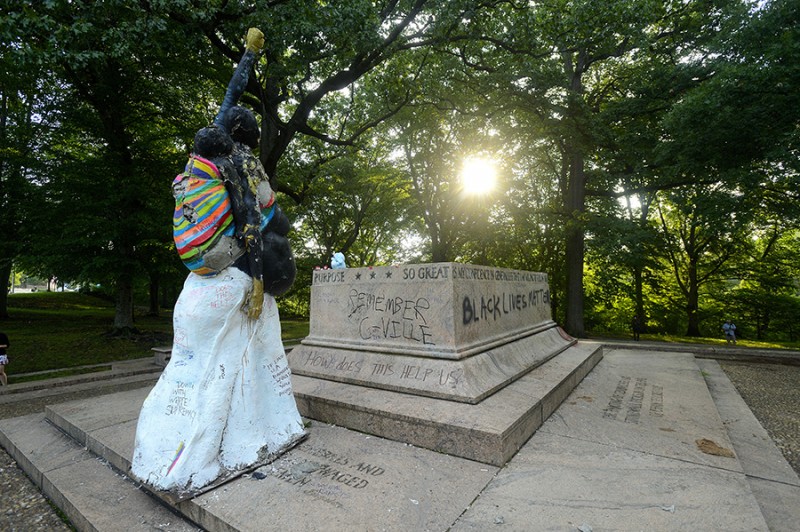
<point x="427" y="310"/>
<point x="615" y="403"/>
<point x="327" y="475"/>
<point x="631" y="397"/>
<point x="329" y="276"/>
<point x="657" y="401"/>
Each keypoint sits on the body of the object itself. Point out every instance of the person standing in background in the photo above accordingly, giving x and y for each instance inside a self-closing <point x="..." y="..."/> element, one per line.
<point x="636" y="326"/>
<point x="729" y="328"/>
<point x="3" y="358"/>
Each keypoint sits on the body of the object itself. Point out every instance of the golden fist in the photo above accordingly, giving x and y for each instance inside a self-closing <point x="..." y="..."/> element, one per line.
<point x="254" y="40"/>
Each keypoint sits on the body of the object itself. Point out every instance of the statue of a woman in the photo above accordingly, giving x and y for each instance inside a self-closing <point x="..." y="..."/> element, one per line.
<point x="224" y="403"/>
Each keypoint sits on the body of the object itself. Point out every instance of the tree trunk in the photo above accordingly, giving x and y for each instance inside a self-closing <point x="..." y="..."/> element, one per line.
<point x="575" y="203"/>
<point x="638" y="295"/>
<point x="575" y="200"/>
<point x="763" y="324"/>
<point x="638" y="270"/>
<point x="123" y="315"/>
<point x="440" y="249"/>
<point x="153" y="311"/>
<point x="5" y="277"/>
<point x="169" y="293"/>
<point x="164" y="302"/>
<point x="692" y="301"/>
<point x="439" y="252"/>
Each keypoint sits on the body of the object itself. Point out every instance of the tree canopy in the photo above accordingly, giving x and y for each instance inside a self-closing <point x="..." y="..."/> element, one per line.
<point x="646" y="153"/>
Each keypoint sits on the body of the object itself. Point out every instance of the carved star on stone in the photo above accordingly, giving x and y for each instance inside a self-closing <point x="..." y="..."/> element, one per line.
<point x="358" y="276"/>
<point x="388" y="275"/>
<point x="371" y="275"/>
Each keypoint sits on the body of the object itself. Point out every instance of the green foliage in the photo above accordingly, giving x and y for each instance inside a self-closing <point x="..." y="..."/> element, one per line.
<point x="765" y="300"/>
<point x="747" y="111"/>
<point x="52" y="331"/>
<point x="21" y="90"/>
<point x="103" y="195"/>
<point x="647" y="150"/>
<point x="356" y="206"/>
<point x="62" y="330"/>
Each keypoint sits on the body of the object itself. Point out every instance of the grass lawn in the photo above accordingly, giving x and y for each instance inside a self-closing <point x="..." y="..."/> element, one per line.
<point x="60" y="373"/>
<point x="740" y="342"/>
<point x="54" y="331"/>
<point x="50" y="330"/>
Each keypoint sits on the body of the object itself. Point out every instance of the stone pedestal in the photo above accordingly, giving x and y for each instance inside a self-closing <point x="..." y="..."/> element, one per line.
<point x="450" y="331"/>
<point x="464" y="360"/>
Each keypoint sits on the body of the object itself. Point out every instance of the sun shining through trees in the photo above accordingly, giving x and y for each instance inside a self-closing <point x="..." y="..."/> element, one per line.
<point x="478" y="175"/>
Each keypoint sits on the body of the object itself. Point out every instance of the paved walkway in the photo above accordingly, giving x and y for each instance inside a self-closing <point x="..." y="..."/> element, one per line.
<point x="767" y="379"/>
<point x="717" y="352"/>
<point x="771" y="391"/>
<point x="22" y="506"/>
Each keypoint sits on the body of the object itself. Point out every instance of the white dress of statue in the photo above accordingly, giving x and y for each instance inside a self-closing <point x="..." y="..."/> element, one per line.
<point x="224" y="403"/>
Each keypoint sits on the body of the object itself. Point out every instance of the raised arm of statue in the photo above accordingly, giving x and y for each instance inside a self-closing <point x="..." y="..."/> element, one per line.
<point x="238" y="83"/>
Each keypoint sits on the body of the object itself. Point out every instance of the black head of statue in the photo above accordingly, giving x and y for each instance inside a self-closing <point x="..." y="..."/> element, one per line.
<point x="242" y="125"/>
<point x="212" y="142"/>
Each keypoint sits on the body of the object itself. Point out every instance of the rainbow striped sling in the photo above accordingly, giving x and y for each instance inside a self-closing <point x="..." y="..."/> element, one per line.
<point x="202" y="214"/>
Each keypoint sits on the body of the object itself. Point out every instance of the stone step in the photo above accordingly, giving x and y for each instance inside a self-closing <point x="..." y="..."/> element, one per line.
<point x="772" y="480"/>
<point x="93" y="495"/>
<point x="142" y="369"/>
<point x="106" y="428"/>
<point x="624" y="450"/>
<point x="42" y="394"/>
<point x="490" y="432"/>
<point x="337" y="479"/>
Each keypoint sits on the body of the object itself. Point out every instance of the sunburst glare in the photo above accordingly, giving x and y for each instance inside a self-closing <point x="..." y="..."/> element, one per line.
<point x="478" y="175"/>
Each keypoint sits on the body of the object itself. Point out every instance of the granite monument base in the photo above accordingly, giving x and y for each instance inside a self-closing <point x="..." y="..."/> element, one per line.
<point x="468" y="380"/>
<point x="449" y="331"/>
<point x="490" y="431"/>
<point x="455" y="358"/>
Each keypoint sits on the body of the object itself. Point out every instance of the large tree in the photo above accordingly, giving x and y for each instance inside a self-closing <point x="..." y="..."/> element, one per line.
<point x="357" y="207"/>
<point x="115" y="139"/>
<point x="737" y="131"/>
<point x="430" y="150"/>
<point x="330" y="71"/>
<point x="20" y="101"/>
<point x="557" y="60"/>
<point x="704" y="227"/>
<point x="592" y="101"/>
<point x="327" y="75"/>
